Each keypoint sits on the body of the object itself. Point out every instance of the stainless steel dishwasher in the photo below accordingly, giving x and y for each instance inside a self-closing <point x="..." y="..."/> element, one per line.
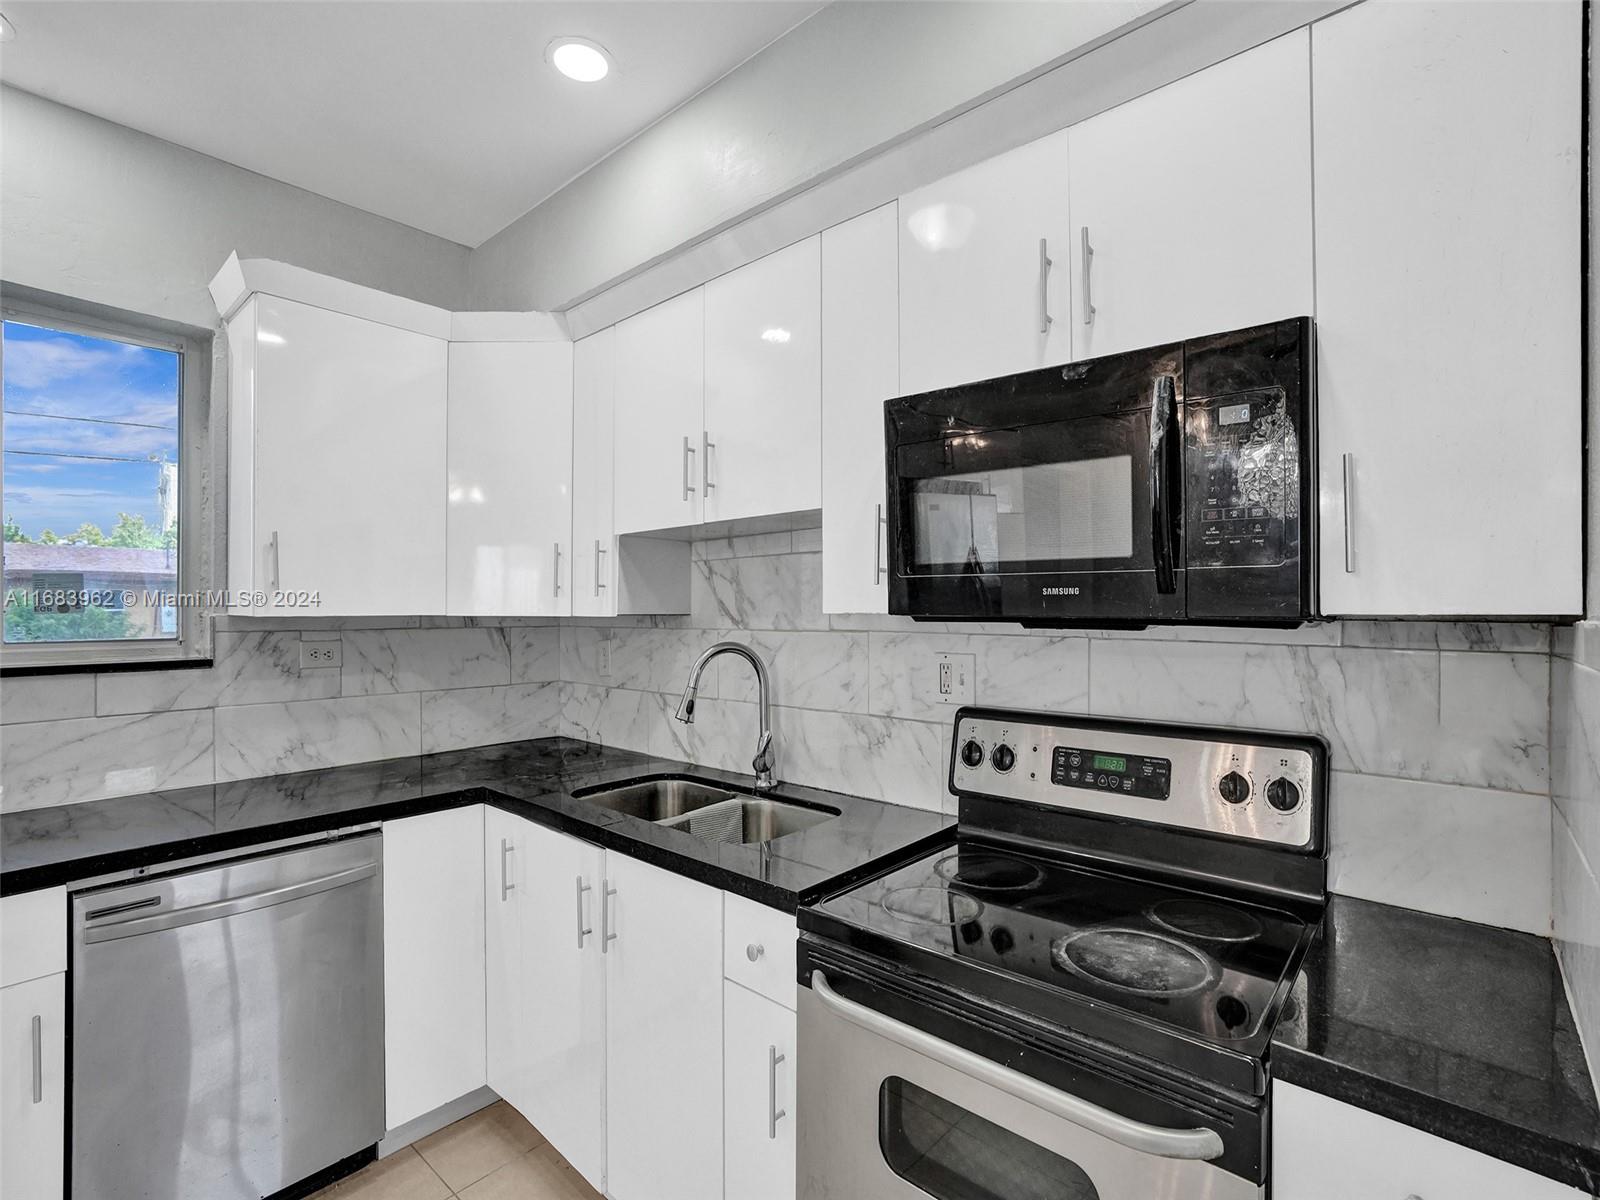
<point x="227" y="1023"/>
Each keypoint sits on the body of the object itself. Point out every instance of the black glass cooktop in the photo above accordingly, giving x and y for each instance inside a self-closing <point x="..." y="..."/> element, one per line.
<point x="1207" y="967"/>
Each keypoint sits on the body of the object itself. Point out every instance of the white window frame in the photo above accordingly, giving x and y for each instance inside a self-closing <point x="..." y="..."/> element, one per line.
<point x="192" y="646"/>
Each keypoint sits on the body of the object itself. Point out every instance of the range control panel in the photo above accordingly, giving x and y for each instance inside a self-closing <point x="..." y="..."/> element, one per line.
<point x="1257" y="787"/>
<point x="1101" y="770"/>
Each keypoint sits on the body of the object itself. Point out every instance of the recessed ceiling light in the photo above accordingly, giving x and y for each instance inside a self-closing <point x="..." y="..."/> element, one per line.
<point x="579" y="58"/>
<point x="7" y="31"/>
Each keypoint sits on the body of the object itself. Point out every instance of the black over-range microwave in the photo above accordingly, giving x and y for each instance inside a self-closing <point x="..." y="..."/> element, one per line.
<point x="1161" y="486"/>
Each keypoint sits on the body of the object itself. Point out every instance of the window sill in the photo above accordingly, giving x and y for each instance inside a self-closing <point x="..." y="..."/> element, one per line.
<point x="104" y="668"/>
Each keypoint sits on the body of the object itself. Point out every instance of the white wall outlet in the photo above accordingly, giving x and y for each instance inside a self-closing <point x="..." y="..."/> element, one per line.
<point x="603" y="657"/>
<point x="950" y="679"/>
<point x="316" y="655"/>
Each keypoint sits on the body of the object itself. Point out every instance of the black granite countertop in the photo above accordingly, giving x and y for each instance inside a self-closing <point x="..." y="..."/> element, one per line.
<point x="1458" y="1029"/>
<point x="49" y="846"/>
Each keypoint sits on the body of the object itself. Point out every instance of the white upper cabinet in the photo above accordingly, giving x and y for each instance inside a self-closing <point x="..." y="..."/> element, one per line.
<point x="984" y="260"/>
<point x="509" y="489"/>
<point x="594" y="558"/>
<point x="761" y="447"/>
<point x="1191" y="206"/>
<point x="659" y="403"/>
<point x="338" y="464"/>
<point x="860" y="370"/>
<point x="1449" y="162"/>
<point x="663" y="1034"/>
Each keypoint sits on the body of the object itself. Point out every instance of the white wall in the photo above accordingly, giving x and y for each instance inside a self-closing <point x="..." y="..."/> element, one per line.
<point x="99" y="212"/>
<point x="853" y="78"/>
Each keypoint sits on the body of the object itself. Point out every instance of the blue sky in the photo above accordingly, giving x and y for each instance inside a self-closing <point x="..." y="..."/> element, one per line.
<point x="67" y="480"/>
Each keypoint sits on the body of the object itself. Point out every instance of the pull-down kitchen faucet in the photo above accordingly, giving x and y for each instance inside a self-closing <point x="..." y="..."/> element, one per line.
<point x="762" y="762"/>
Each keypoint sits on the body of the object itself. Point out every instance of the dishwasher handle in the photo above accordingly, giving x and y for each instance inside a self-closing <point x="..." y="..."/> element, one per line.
<point x="1201" y="1143"/>
<point x="232" y="906"/>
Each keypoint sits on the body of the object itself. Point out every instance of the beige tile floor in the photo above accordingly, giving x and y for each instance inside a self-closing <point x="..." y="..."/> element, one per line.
<point x="492" y="1155"/>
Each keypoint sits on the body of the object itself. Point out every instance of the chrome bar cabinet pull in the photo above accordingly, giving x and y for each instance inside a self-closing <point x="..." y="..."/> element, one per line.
<point x="558" y="569"/>
<point x="1088" y="278"/>
<point x="774" y="1113"/>
<point x="1349" y="484"/>
<point x="1045" y="263"/>
<point x="505" y="876"/>
<point x="607" y="934"/>
<point x="583" y="930"/>
<point x="38" y="1059"/>
<point x="274" y="546"/>
<point x="599" y="552"/>
<point x="706" y="447"/>
<point x="877" y="546"/>
<point x="688" y="451"/>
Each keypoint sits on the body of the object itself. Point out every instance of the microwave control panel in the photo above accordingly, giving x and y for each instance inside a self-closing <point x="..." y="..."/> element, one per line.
<point x="1243" y="489"/>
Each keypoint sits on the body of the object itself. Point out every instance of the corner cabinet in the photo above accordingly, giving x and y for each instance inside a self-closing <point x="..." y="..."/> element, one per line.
<point x="1449" y="172"/>
<point x="509" y="479"/>
<point x="660" y="397"/>
<point x="336" y="463"/>
<point x="860" y="370"/>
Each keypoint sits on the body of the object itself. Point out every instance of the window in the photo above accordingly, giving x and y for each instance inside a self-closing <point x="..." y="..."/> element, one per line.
<point x="99" y="538"/>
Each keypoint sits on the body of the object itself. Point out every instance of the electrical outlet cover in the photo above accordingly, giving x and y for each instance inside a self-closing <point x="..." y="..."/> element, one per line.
<point x="950" y="679"/>
<point x="315" y="656"/>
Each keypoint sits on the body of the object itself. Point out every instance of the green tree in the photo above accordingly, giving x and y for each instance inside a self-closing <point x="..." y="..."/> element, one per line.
<point x="13" y="531"/>
<point x="87" y="534"/>
<point x="25" y="623"/>
<point x="48" y="538"/>
<point x="132" y="529"/>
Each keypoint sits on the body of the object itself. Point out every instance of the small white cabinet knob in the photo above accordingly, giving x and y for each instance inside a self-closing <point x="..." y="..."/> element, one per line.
<point x="754" y="951"/>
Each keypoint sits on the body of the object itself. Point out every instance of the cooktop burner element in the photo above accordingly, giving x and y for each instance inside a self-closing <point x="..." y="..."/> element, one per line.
<point x="1207" y="920"/>
<point x="1134" y="960"/>
<point x="930" y="906"/>
<point x="989" y="872"/>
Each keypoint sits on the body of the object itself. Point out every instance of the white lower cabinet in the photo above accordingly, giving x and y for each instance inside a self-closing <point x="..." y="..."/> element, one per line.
<point x="33" y="1044"/>
<point x="554" y="903"/>
<point x="433" y="989"/>
<point x="758" y="1064"/>
<point x="1326" y="1150"/>
<point x="510" y="969"/>
<point x="663" y="1034"/>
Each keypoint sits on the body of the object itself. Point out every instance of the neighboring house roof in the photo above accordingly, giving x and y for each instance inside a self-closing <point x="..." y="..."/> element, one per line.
<point x="33" y="557"/>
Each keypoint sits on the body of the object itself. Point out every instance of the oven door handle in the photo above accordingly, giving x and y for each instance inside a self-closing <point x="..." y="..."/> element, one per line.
<point x="1202" y="1144"/>
<point x="1163" y="444"/>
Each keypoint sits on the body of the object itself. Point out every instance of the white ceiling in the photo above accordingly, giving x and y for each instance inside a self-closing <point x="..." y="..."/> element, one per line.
<point x="442" y="114"/>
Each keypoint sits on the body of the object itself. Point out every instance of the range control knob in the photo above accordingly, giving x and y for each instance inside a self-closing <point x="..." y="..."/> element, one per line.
<point x="972" y="754"/>
<point x="1003" y="758"/>
<point x="1283" y="795"/>
<point x="1234" y="788"/>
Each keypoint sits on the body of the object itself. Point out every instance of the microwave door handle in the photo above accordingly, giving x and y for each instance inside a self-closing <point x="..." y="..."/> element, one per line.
<point x="1163" y="444"/>
<point x="1202" y="1144"/>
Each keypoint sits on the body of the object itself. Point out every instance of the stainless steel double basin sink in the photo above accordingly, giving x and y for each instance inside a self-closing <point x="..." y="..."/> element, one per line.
<point x="702" y="808"/>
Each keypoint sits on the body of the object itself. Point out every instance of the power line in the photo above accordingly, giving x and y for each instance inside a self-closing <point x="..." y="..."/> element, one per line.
<point x="88" y="457"/>
<point x="17" y="412"/>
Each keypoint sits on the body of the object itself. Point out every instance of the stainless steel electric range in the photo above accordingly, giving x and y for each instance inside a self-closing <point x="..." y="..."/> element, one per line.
<point x="1074" y="998"/>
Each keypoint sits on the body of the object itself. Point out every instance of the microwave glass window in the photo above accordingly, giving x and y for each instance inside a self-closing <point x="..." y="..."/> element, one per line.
<point x="1062" y="511"/>
<point x="954" y="1154"/>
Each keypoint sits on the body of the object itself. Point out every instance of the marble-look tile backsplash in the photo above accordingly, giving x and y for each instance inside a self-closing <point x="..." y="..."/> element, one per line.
<point x="409" y="687"/>
<point x="1439" y="731"/>
<point x="1575" y="789"/>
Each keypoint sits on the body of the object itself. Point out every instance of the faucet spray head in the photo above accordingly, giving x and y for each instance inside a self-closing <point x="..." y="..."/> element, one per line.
<point x="685" y="711"/>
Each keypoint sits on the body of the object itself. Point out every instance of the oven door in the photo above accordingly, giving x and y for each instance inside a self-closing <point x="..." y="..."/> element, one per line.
<point x="1073" y="518"/>
<point x="889" y="1111"/>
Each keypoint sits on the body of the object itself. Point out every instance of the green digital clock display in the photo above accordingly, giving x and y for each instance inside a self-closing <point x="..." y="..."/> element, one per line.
<point x="1104" y="762"/>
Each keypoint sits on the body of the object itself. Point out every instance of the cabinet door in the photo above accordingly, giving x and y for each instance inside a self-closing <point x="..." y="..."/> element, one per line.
<point x="511" y="968"/>
<point x="1449" y="160"/>
<point x="564" y="1005"/>
<point x="433" y="997"/>
<point x="663" y="1035"/>
<point x="762" y="440"/>
<point x="758" y="1096"/>
<point x="33" y="1077"/>
<point x="349" y="462"/>
<point x="659" y="403"/>
<point x="860" y="370"/>
<point x="510" y="479"/>
<point x="1325" y="1150"/>
<point x="594" y="555"/>
<point x="1196" y="202"/>
<point x="977" y="295"/>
